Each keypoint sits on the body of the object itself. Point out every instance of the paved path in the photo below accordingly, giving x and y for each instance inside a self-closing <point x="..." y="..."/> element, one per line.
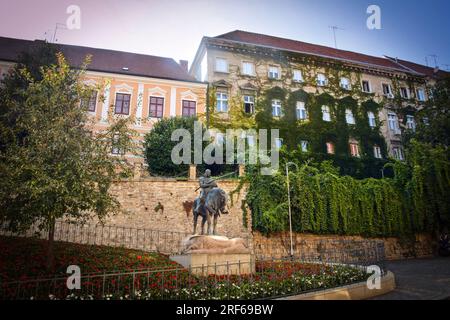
<point x="420" y="279"/>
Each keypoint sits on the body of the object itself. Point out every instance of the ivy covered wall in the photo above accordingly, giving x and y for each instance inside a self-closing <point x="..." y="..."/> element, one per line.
<point x="314" y="130"/>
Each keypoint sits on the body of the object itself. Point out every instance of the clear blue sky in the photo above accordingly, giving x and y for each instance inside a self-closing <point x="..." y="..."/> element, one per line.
<point x="411" y="29"/>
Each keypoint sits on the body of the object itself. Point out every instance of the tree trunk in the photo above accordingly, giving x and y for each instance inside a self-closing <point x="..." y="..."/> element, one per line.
<point x="50" y="251"/>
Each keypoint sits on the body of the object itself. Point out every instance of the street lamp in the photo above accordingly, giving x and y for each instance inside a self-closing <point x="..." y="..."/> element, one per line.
<point x="289" y="202"/>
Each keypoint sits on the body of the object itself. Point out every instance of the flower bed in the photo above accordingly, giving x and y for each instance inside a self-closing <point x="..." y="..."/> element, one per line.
<point x="169" y="281"/>
<point x="25" y="258"/>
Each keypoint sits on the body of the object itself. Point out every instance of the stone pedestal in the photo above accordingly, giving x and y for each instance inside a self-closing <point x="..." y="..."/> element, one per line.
<point x="205" y="255"/>
<point x="205" y="264"/>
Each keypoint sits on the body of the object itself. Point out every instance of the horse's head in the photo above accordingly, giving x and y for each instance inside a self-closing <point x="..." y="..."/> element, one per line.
<point x="226" y="204"/>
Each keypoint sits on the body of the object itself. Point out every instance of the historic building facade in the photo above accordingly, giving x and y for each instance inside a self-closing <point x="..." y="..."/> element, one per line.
<point x="350" y="99"/>
<point x="145" y="88"/>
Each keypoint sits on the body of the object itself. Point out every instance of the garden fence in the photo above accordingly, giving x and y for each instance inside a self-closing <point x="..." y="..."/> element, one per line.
<point x="167" y="242"/>
<point x="271" y="278"/>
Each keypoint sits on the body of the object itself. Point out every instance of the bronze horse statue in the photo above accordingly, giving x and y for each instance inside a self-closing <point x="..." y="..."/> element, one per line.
<point x="216" y="202"/>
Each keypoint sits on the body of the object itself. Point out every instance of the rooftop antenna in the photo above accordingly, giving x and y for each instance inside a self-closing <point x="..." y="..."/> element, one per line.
<point x="334" y="28"/>
<point x="434" y="58"/>
<point x="58" y="26"/>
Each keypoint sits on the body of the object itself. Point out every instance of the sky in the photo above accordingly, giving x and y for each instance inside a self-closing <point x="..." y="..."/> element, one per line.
<point x="413" y="30"/>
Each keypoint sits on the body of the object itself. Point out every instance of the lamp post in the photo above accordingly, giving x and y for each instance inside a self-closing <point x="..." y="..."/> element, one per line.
<point x="289" y="203"/>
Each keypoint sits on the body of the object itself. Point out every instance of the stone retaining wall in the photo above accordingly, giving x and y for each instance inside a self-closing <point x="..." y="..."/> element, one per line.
<point x="395" y="248"/>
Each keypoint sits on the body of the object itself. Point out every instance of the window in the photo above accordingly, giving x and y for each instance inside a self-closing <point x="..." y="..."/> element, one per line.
<point x="321" y="80"/>
<point x="156" y="107"/>
<point x="410" y="122"/>
<point x="115" y="149"/>
<point x="349" y="118"/>
<point x="222" y="102"/>
<point x="326" y="115"/>
<point x="91" y="102"/>
<point x="393" y="123"/>
<point x="122" y="103"/>
<point x="276" y="108"/>
<point x="354" y="149"/>
<point x="248" y="68"/>
<point x="345" y="83"/>
<point x="420" y="95"/>
<point x="278" y="143"/>
<point x="404" y="93"/>
<point x="387" y="90"/>
<point x="301" y="111"/>
<point x="221" y="65"/>
<point x="398" y="153"/>
<point x="330" y="148"/>
<point x="188" y="108"/>
<point x="366" y="86"/>
<point x="372" y="119"/>
<point x="297" y="76"/>
<point x="426" y="121"/>
<point x="304" y="145"/>
<point x="377" y="152"/>
<point x="273" y="72"/>
<point x="249" y="104"/>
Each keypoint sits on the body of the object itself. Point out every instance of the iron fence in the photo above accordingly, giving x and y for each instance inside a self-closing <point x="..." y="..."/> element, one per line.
<point x="166" y="242"/>
<point x="261" y="279"/>
<point x="349" y="251"/>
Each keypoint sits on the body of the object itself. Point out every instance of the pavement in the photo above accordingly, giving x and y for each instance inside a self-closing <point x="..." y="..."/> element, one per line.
<point x="419" y="279"/>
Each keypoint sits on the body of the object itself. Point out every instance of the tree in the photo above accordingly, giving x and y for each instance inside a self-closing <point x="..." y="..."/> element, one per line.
<point x="62" y="168"/>
<point x="158" y="146"/>
<point x="158" y="149"/>
<point x="44" y="54"/>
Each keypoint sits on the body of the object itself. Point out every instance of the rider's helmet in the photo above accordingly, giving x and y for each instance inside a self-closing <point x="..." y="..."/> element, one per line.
<point x="207" y="173"/>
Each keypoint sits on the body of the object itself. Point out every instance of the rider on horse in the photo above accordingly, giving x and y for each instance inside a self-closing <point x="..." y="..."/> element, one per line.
<point x="206" y="185"/>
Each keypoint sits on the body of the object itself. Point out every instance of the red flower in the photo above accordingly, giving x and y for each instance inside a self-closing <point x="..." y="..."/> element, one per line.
<point x="139" y="257"/>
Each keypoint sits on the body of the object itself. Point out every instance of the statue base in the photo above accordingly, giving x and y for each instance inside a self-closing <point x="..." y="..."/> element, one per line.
<point x="215" y="255"/>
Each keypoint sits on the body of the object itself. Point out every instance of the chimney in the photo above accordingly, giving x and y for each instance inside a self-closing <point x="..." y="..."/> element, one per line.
<point x="184" y="65"/>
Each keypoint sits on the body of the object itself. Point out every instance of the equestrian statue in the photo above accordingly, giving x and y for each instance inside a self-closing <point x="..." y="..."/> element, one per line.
<point x="211" y="203"/>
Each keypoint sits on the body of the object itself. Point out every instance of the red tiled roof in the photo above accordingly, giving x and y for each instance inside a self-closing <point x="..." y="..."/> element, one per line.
<point x="429" y="71"/>
<point x="104" y="60"/>
<point x="308" y="48"/>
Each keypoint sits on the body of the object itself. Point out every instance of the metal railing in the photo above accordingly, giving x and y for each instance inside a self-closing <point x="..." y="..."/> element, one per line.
<point x="344" y="251"/>
<point x="263" y="279"/>
<point x="151" y="240"/>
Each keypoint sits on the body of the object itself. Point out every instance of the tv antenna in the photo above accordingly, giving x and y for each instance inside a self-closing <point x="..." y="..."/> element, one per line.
<point x="335" y="28"/>
<point x="434" y="58"/>
<point x="57" y="27"/>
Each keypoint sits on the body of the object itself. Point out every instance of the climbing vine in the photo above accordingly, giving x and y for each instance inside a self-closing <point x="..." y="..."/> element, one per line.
<point x="323" y="202"/>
